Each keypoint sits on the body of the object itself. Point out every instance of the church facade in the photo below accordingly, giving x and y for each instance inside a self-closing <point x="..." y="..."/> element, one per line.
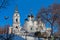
<point x="30" y="26"/>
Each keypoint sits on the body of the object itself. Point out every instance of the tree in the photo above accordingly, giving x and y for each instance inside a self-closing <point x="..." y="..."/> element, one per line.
<point x="50" y="15"/>
<point x="3" y="3"/>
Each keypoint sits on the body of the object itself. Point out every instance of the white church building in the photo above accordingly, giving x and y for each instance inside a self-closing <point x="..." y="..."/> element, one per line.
<point x="30" y="25"/>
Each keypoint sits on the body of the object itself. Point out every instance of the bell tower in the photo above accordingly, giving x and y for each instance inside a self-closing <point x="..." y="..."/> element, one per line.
<point x="16" y="21"/>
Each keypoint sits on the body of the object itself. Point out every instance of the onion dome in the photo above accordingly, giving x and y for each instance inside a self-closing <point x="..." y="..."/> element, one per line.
<point x="28" y="15"/>
<point x="26" y="19"/>
<point x="32" y="16"/>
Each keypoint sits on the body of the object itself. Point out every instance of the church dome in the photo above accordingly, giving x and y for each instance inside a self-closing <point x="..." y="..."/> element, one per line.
<point x="31" y="16"/>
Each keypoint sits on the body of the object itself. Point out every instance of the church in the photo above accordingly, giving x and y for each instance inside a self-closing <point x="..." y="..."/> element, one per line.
<point x="30" y="25"/>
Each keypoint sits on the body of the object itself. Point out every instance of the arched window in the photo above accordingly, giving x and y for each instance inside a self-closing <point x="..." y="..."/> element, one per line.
<point x="16" y="20"/>
<point x="17" y="27"/>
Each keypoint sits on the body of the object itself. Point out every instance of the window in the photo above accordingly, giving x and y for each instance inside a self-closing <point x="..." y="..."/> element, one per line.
<point x="41" y="27"/>
<point x="16" y="20"/>
<point x="31" y="28"/>
<point x="36" y="28"/>
<point x="17" y="27"/>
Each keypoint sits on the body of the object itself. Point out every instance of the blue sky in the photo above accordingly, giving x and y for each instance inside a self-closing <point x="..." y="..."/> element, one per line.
<point x="24" y="7"/>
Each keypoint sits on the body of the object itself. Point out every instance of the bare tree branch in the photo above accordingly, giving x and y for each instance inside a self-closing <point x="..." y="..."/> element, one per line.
<point x="3" y="3"/>
<point x="51" y="14"/>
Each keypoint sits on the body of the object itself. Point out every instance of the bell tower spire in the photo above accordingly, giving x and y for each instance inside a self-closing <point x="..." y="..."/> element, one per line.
<point x="16" y="9"/>
<point x="16" y="21"/>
